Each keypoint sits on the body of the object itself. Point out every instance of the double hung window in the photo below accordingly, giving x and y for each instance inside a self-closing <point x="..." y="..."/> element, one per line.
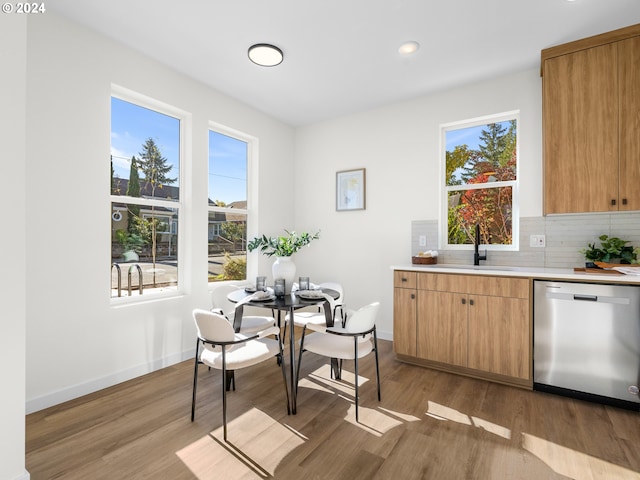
<point x="146" y="156"/>
<point x="480" y="158"/>
<point x="229" y="159"/>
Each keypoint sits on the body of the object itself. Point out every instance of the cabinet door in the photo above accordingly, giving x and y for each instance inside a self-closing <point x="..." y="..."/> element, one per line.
<point x="580" y="121"/>
<point x="629" y="61"/>
<point x="442" y="327"/>
<point x="404" y="321"/>
<point x="499" y="335"/>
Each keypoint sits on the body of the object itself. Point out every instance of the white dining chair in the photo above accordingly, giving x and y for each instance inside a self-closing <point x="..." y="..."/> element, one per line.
<point x="316" y="314"/>
<point x="219" y="347"/>
<point x="221" y="304"/>
<point x="355" y="340"/>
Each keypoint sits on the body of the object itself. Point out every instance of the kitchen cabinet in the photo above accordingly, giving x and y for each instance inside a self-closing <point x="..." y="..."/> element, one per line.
<point x="471" y="324"/>
<point x="591" y="124"/>
<point x="404" y="312"/>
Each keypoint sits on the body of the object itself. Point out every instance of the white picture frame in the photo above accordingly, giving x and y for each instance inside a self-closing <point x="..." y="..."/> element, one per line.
<point x="351" y="190"/>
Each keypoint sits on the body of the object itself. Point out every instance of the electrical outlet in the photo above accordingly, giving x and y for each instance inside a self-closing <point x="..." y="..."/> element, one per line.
<point x="423" y="240"/>
<point x="537" y="241"/>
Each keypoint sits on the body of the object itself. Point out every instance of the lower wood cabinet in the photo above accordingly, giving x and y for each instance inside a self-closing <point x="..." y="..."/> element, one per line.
<point x="471" y="324"/>
<point x="404" y="310"/>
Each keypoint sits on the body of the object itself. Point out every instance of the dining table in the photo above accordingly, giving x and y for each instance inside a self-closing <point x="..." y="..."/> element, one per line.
<point x="288" y="303"/>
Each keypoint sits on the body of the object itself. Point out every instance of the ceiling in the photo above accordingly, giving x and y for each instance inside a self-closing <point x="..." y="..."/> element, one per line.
<point x="341" y="56"/>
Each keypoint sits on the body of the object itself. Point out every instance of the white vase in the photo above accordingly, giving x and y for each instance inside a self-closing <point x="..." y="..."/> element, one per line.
<point x="284" y="267"/>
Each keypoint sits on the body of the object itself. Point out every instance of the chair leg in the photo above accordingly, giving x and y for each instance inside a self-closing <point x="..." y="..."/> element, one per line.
<point x="304" y="330"/>
<point x="284" y="375"/>
<point x="375" y="348"/>
<point x="195" y="383"/>
<point x="224" y="394"/>
<point x="231" y="380"/>
<point x="355" y="348"/>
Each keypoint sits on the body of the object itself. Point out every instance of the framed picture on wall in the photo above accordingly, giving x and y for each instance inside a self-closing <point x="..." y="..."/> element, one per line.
<point x="351" y="190"/>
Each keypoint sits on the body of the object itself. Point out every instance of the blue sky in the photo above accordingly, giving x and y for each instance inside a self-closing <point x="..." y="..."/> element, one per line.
<point x="227" y="168"/>
<point x="469" y="136"/>
<point x="132" y="125"/>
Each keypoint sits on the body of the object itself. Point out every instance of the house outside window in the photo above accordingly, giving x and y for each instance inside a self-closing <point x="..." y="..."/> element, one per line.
<point x="229" y="160"/>
<point x="146" y="157"/>
<point x="480" y="158"/>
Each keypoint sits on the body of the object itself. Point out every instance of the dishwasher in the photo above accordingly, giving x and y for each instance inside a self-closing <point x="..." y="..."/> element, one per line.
<point x="586" y="341"/>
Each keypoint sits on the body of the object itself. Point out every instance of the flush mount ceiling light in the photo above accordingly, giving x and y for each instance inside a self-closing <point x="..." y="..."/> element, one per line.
<point x="265" y="55"/>
<point x="407" y="48"/>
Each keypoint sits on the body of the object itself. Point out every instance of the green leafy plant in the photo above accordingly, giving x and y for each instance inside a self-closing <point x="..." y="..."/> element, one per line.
<point x="611" y="248"/>
<point x="233" y="268"/>
<point x="130" y="241"/>
<point x="283" y="246"/>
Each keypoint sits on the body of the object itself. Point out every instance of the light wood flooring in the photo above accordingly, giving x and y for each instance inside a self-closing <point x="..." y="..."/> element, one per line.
<point x="429" y="425"/>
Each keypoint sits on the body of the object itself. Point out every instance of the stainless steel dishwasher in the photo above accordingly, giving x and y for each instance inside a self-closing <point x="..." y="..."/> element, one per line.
<point x="587" y="341"/>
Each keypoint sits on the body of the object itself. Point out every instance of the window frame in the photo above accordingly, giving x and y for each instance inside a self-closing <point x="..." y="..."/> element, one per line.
<point x="251" y="211"/>
<point x="443" y="237"/>
<point x="185" y="130"/>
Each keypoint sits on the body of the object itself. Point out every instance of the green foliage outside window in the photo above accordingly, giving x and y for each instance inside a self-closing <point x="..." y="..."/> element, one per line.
<point x="494" y="160"/>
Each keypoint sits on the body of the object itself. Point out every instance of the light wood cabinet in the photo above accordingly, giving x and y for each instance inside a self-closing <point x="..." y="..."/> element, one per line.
<point x="499" y="340"/>
<point x="404" y="313"/>
<point x="591" y="124"/>
<point x="471" y="324"/>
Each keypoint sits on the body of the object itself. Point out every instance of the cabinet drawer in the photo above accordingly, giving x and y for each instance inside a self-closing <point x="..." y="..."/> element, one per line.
<point x="402" y="279"/>
<point x="498" y="286"/>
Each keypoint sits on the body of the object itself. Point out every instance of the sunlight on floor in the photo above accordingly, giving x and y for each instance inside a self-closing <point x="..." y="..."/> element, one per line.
<point x="440" y="412"/>
<point x="320" y="379"/>
<point x="564" y="461"/>
<point x="256" y="445"/>
<point x="376" y="421"/>
<point x="572" y="464"/>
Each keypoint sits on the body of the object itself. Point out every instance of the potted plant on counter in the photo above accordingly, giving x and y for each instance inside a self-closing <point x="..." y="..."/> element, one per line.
<point x="613" y="250"/>
<point x="283" y="248"/>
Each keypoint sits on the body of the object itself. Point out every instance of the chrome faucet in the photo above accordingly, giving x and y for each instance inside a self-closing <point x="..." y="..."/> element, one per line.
<point x="476" y="248"/>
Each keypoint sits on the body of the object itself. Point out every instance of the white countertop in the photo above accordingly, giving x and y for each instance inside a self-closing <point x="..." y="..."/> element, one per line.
<point x="527" y="272"/>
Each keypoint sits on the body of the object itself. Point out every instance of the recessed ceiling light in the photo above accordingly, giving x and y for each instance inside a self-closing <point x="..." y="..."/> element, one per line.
<point x="407" y="48"/>
<point x="265" y="55"/>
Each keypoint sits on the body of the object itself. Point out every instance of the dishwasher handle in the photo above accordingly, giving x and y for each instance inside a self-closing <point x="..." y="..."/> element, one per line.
<point x="586" y="298"/>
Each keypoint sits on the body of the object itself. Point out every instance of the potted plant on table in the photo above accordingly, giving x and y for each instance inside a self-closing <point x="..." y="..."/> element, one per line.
<point x="612" y="250"/>
<point x="283" y="247"/>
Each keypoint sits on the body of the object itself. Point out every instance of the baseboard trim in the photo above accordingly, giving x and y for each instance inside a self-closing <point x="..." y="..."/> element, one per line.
<point x="24" y="476"/>
<point x="79" y="390"/>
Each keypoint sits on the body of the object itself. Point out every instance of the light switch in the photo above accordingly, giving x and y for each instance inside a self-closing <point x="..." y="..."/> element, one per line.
<point x="423" y="240"/>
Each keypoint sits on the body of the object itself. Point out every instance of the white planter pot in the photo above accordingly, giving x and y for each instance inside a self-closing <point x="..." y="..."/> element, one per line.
<point x="284" y="267"/>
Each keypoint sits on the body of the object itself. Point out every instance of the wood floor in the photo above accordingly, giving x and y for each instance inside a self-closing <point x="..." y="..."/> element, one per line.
<point x="429" y="425"/>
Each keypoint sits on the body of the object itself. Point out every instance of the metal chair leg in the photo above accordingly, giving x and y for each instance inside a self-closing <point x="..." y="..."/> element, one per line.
<point x="224" y="394"/>
<point x="195" y="383"/>
<point x="304" y="330"/>
<point x="355" y="348"/>
<point x="284" y="375"/>
<point x="375" y="346"/>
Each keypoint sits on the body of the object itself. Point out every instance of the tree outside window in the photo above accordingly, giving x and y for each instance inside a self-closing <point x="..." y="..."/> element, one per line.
<point x="227" y="206"/>
<point x="481" y="181"/>
<point x="145" y="194"/>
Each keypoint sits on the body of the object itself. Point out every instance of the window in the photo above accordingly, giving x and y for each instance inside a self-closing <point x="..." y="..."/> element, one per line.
<point x="480" y="182"/>
<point x="146" y="146"/>
<point x="229" y="155"/>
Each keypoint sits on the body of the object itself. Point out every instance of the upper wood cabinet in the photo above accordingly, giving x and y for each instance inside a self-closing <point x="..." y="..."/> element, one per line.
<point x="591" y="124"/>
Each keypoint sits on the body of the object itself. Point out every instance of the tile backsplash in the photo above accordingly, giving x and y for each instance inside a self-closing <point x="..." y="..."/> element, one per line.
<point x="565" y="236"/>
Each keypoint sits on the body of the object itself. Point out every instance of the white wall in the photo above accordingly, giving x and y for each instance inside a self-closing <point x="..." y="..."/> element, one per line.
<point x="13" y="58"/>
<point x="399" y="147"/>
<point x="76" y="341"/>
